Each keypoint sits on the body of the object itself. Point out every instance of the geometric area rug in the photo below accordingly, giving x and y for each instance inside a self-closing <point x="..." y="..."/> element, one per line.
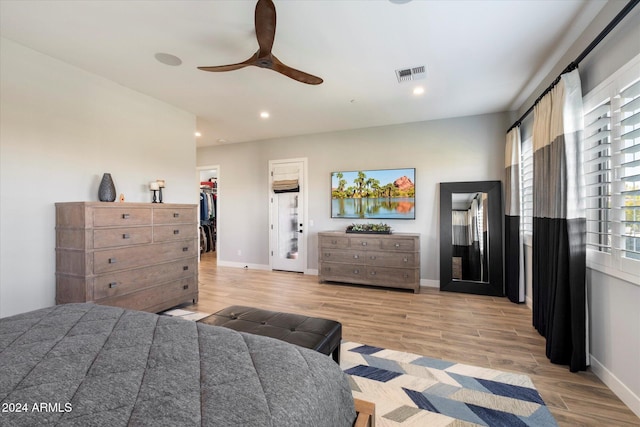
<point x="412" y="390"/>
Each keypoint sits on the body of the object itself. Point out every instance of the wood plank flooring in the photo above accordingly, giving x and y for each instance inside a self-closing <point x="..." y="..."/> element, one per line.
<point x="477" y="330"/>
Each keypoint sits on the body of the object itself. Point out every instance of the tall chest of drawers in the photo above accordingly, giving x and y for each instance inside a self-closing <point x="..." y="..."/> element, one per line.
<point x="141" y="256"/>
<point x="389" y="260"/>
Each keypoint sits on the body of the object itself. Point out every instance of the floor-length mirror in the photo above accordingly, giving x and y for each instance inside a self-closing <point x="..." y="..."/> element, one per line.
<point x="471" y="237"/>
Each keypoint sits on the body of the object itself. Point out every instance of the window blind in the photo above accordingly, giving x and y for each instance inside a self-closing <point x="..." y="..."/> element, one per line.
<point x="526" y="197"/>
<point x="597" y="167"/>
<point x="628" y="119"/>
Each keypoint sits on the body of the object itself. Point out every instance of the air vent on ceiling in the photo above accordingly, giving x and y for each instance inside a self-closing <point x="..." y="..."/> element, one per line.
<point x="409" y="74"/>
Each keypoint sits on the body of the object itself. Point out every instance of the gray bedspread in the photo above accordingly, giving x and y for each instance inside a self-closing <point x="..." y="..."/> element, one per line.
<point x="91" y="365"/>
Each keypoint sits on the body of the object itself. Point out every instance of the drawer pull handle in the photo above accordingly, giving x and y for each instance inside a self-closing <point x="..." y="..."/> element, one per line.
<point x="356" y="271"/>
<point x="405" y="260"/>
<point x="113" y="285"/>
<point x="126" y="236"/>
<point x="406" y="276"/>
<point x="125" y="216"/>
<point x="112" y="260"/>
<point x="326" y="255"/>
<point x="334" y="242"/>
<point x="364" y="243"/>
<point x="373" y="273"/>
<point x="356" y="256"/>
<point x="185" y="249"/>
<point x="185" y="287"/>
<point x="176" y="215"/>
<point x="397" y="245"/>
<point x="176" y="231"/>
<point x="372" y="257"/>
<point x="185" y="267"/>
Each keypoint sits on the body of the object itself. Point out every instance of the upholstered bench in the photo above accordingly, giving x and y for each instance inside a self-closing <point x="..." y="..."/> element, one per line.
<point x="317" y="334"/>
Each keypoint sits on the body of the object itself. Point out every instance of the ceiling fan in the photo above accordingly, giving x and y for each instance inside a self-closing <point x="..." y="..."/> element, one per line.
<point x="265" y="23"/>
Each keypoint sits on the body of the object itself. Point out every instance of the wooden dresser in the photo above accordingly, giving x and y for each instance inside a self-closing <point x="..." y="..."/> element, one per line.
<point x="141" y="256"/>
<point x="389" y="260"/>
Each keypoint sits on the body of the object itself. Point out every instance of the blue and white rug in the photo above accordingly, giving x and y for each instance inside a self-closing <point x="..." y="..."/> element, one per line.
<point x="412" y="390"/>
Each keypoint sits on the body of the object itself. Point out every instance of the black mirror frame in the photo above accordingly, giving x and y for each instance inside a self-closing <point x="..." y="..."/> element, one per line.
<point x="495" y="287"/>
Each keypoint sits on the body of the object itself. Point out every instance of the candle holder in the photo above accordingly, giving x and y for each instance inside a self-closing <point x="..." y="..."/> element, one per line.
<point x="160" y="183"/>
<point x="153" y="186"/>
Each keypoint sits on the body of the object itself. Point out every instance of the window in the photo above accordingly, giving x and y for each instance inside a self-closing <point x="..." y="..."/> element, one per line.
<point x="526" y="198"/>
<point x="612" y="173"/>
<point x="629" y="167"/>
<point x="597" y="170"/>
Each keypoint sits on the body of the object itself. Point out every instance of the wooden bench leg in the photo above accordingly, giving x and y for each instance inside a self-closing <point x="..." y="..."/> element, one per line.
<point x="366" y="413"/>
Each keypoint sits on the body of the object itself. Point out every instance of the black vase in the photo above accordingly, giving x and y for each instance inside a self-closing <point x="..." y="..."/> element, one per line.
<point x="106" y="191"/>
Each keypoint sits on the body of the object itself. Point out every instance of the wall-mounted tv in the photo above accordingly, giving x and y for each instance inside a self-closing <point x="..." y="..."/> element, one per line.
<point x="373" y="194"/>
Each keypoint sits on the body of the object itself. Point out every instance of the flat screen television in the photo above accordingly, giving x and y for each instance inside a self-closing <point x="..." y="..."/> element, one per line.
<point x="373" y="194"/>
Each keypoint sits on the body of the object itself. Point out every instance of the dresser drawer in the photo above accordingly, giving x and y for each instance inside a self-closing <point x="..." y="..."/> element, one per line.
<point x="393" y="277"/>
<point x="343" y="272"/>
<point x="365" y="242"/>
<point x="342" y="256"/>
<point x="164" y="233"/>
<point x="391" y="259"/>
<point x="336" y="242"/>
<point x="112" y="237"/>
<point x="399" y="245"/>
<point x="123" y="217"/>
<point x="137" y="256"/>
<point x="161" y="295"/>
<point x="175" y="216"/>
<point x="124" y="282"/>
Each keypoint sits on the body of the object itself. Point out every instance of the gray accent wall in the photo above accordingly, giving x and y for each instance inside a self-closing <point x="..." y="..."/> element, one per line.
<point x="459" y="149"/>
<point x="61" y="128"/>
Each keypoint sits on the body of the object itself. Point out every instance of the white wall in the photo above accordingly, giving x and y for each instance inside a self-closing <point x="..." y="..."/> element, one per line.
<point x="460" y="149"/>
<point x="61" y="128"/>
<point x="614" y="318"/>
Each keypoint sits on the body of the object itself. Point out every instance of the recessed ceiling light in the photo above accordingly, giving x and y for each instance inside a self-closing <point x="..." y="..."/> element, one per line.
<point x="168" y="59"/>
<point x="221" y="141"/>
<point x="418" y="90"/>
<point x="264" y="115"/>
<point x="197" y="134"/>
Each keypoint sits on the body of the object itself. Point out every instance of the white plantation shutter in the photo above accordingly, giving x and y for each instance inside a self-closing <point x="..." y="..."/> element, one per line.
<point x="612" y="173"/>
<point x="526" y="224"/>
<point x="628" y="120"/>
<point x="597" y="149"/>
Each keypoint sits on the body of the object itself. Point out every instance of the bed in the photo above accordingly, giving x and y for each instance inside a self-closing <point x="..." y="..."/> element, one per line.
<point x="86" y="364"/>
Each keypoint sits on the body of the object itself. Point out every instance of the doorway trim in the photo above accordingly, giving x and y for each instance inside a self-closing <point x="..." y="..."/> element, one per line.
<point x="305" y="210"/>
<point x="218" y="210"/>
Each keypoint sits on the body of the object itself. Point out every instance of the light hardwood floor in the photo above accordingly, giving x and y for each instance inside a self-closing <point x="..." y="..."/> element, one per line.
<point x="477" y="330"/>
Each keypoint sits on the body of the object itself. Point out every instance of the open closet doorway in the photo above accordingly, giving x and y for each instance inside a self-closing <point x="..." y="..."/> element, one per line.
<point x="208" y="179"/>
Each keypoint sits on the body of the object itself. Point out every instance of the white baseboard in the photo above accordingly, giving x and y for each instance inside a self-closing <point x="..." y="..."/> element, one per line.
<point x="311" y="272"/>
<point x="243" y="265"/>
<point x="617" y="386"/>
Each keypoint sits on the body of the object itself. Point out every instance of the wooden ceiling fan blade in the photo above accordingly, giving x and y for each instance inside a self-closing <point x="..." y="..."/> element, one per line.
<point x="298" y="75"/>
<point x="231" y="67"/>
<point x="265" y="23"/>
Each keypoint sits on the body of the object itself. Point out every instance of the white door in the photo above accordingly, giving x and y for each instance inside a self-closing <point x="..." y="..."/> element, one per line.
<point x="287" y="231"/>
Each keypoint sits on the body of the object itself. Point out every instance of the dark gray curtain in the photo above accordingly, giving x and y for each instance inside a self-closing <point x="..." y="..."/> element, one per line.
<point x="559" y="224"/>
<point x="514" y="251"/>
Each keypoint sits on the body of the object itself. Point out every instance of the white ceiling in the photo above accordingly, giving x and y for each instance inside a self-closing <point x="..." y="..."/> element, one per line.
<point x="480" y="56"/>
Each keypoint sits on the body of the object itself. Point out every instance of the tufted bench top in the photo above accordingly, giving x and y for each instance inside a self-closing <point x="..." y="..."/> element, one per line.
<point x="322" y="335"/>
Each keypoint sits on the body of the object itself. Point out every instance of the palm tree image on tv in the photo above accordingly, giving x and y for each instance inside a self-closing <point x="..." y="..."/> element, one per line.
<point x="377" y="194"/>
